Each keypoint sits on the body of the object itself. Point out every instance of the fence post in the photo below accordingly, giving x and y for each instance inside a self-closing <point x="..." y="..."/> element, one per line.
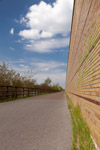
<point x="28" y="92"/>
<point x="7" y="92"/>
<point x="32" y="90"/>
<point x="35" y="91"/>
<point x="23" y="91"/>
<point x="16" y="92"/>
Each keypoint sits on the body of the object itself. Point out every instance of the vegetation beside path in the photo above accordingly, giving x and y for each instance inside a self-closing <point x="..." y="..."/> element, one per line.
<point x="81" y="135"/>
<point x="9" y="77"/>
<point x="20" y="98"/>
<point x="14" y="84"/>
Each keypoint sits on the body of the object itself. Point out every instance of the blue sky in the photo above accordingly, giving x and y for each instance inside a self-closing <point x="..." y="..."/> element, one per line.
<point x="35" y="34"/>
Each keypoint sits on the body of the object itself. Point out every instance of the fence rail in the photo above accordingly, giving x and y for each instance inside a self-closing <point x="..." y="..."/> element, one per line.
<point x="7" y="92"/>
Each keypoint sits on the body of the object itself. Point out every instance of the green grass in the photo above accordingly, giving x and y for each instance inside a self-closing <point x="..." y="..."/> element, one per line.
<point x="13" y="99"/>
<point x="81" y="135"/>
<point x="19" y="98"/>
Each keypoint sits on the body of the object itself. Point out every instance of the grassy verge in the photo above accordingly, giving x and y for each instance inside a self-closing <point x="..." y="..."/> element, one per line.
<point x="19" y="98"/>
<point x="81" y="135"/>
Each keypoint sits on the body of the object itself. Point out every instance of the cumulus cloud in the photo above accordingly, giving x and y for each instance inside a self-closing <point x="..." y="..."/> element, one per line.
<point x="34" y="34"/>
<point x="29" y="34"/>
<point x="12" y="31"/>
<point x="55" y="18"/>
<point x="48" y="45"/>
<point x="46" y="21"/>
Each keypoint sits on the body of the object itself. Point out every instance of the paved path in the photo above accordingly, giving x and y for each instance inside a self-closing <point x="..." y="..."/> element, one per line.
<point x="39" y="123"/>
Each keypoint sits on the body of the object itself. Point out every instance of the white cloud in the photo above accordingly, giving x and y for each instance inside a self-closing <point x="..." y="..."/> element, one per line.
<point x="23" y="20"/>
<point x="51" y="69"/>
<point x="56" y="77"/>
<point x="29" y="34"/>
<point x="11" y="48"/>
<point x="16" y="20"/>
<point x="45" y="66"/>
<point x="55" y="18"/>
<point x="44" y="22"/>
<point x="46" y="34"/>
<point x="12" y="31"/>
<point x="48" y="45"/>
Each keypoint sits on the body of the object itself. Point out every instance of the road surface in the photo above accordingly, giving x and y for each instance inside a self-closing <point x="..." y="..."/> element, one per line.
<point x="38" y="123"/>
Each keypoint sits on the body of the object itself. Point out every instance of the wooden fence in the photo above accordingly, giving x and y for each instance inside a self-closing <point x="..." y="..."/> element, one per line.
<point x="83" y="71"/>
<point x="7" y="92"/>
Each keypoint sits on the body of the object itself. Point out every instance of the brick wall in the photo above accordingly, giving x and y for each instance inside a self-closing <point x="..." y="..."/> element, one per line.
<point x="83" y="70"/>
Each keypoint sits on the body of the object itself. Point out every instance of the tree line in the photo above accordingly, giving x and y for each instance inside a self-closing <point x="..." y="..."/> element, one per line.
<point x="9" y="77"/>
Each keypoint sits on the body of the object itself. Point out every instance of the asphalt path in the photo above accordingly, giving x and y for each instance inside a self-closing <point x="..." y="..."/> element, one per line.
<point x="37" y="123"/>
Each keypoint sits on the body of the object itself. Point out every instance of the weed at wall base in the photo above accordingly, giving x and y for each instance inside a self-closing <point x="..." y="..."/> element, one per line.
<point x="81" y="135"/>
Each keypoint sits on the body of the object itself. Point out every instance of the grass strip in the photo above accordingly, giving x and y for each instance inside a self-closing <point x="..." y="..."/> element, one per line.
<point x="19" y="98"/>
<point x="81" y="135"/>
